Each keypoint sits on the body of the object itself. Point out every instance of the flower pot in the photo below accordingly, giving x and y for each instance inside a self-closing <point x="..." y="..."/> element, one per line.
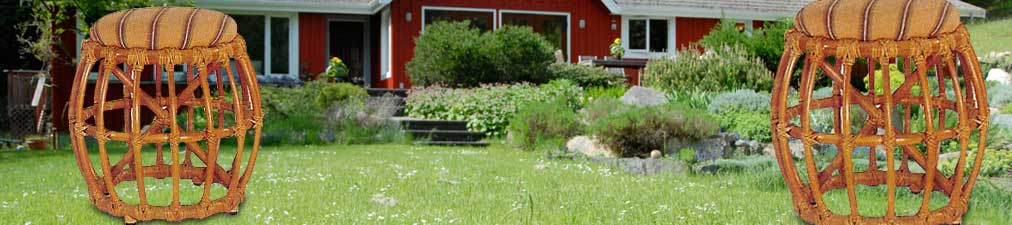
<point x="37" y="144"/>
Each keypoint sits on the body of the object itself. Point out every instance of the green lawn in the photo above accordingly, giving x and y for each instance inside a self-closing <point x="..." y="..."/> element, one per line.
<point x="397" y="184"/>
<point x="991" y="36"/>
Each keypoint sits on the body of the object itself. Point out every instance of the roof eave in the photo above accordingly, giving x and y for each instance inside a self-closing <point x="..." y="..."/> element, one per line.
<point x="703" y="13"/>
<point x="277" y="6"/>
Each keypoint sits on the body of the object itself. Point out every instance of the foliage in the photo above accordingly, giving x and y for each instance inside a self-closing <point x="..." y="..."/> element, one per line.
<point x="754" y="126"/>
<point x="336" y="68"/>
<point x="996" y="163"/>
<point x="591" y="94"/>
<point x="338" y="92"/>
<point x="616" y="48"/>
<point x="767" y="43"/>
<point x="718" y="70"/>
<point x="540" y="122"/>
<point x="999" y="95"/>
<point x="638" y="131"/>
<point x="600" y="107"/>
<point x="988" y="36"/>
<point x="355" y="122"/>
<point x="691" y="98"/>
<point x="288" y="119"/>
<point x="488" y="108"/>
<point x="740" y="101"/>
<point x="459" y="55"/>
<point x="896" y="78"/>
<point x="586" y="76"/>
<point x="687" y="155"/>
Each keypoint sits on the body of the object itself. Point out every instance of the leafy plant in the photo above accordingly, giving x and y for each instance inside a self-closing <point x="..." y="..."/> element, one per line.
<point x="896" y="78"/>
<point x="754" y="126"/>
<point x="542" y="122"/>
<point x="354" y="122"/>
<point x="767" y="43"/>
<point x="740" y="101"/>
<point x="601" y="107"/>
<point x="336" y="68"/>
<point x="616" y="48"/>
<point x="687" y="155"/>
<point x="638" y="131"/>
<point x="459" y="55"/>
<point x="721" y="69"/>
<point x="592" y="94"/>
<point x="996" y="163"/>
<point x="338" y="92"/>
<point x="586" y="76"/>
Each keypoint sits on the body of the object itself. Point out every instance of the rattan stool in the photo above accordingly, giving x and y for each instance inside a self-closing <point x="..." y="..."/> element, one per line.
<point x="135" y="48"/>
<point x="829" y="36"/>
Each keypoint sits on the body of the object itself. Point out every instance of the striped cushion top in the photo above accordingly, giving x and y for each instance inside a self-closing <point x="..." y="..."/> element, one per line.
<point x="164" y="28"/>
<point x="867" y="20"/>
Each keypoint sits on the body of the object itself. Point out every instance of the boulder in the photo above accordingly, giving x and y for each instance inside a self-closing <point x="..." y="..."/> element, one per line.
<point x="999" y="75"/>
<point x="718" y="146"/>
<point x="643" y="166"/>
<point x="588" y="146"/>
<point x="641" y="96"/>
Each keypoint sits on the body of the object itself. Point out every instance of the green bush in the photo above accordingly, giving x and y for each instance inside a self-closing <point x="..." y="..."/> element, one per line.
<point x="538" y="123"/>
<point x="638" y="131"/>
<point x="996" y="163"/>
<point x="587" y="76"/>
<point x="591" y="94"/>
<point x="740" y="101"/>
<point x="459" y="55"/>
<point x="353" y="121"/>
<point x="488" y="108"/>
<point x="896" y="79"/>
<point x="767" y="43"/>
<point x="288" y="119"/>
<point x="601" y="107"/>
<point x="999" y="95"/>
<point x="754" y="126"/>
<point x="719" y="70"/>
<point x="339" y="92"/>
<point x="692" y="98"/>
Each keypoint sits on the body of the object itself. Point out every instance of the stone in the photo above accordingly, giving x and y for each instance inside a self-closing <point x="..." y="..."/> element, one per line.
<point x="643" y="166"/>
<point x="718" y="146"/>
<point x="655" y="154"/>
<point x="1000" y="75"/>
<point x="588" y="146"/>
<point x="947" y="156"/>
<point x="797" y="148"/>
<point x="641" y="96"/>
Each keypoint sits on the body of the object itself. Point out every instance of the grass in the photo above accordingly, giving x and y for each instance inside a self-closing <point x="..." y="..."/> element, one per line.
<point x="397" y="184"/>
<point x="991" y="36"/>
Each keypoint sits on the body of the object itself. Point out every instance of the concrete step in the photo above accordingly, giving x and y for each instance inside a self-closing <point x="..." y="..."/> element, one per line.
<point x="424" y="124"/>
<point x="447" y="135"/>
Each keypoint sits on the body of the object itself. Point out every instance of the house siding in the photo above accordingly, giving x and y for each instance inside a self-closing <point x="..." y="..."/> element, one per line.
<point x="312" y="43"/>
<point x="691" y="30"/>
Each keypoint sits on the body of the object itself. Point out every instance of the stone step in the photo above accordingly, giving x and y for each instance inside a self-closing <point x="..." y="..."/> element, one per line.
<point x="453" y="143"/>
<point x="376" y="92"/>
<point x="427" y="125"/>
<point x="447" y="135"/>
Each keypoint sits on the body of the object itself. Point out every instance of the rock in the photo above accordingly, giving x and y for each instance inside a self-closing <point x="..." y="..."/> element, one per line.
<point x="588" y="146"/>
<point x="947" y="156"/>
<point x="643" y="166"/>
<point x="642" y="96"/>
<point x="999" y="75"/>
<point x="655" y="154"/>
<point x="719" y="146"/>
<point x="797" y="148"/>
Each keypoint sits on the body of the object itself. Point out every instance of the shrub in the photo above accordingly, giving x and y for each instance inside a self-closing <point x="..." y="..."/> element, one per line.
<point x="999" y="95"/>
<point x="754" y="126"/>
<point x="339" y="92"/>
<point x="996" y="163"/>
<point x="718" y="70"/>
<point x="767" y="43"/>
<point x="458" y="55"/>
<point x="354" y="122"/>
<point x="601" y="107"/>
<point x="896" y="79"/>
<point x="488" y="108"/>
<point x="740" y="101"/>
<point x="543" y="122"/>
<point x="586" y="76"/>
<point x="591" y="94"/>
<point x="692" y="98"/>
<point x="638" y="131"/>
<point x="687" y="155"/>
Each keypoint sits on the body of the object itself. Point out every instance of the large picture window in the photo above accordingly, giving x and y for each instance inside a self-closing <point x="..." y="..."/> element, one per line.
<point x="553" y="26"/>
<point x="268" y="42"/>
<point x="648" y="34"/>
<point x="482" y="19"/>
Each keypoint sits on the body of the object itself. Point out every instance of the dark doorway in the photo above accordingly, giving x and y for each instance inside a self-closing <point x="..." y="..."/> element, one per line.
<point x="347" y="41"/>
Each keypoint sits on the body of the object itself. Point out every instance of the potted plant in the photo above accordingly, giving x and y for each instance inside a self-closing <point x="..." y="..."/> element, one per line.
<point x="336" y="70"/>
<point x="616" y="48"/>
<point x="37" y="142"/>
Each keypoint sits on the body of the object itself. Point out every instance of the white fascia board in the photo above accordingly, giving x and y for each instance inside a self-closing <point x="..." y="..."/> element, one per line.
<point x="312" y="7"/>
<point x="704" y="13"/>
<point x="612" y="6"/>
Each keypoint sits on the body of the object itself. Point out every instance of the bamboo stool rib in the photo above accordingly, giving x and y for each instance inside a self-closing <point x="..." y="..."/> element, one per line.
<point x="954" y="61"/>
<point x="236" y="93"/>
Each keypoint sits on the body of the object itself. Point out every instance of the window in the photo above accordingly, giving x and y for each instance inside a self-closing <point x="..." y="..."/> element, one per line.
<point x="482" y="19"/>
<point x="269" y="42"/>
<point x="553" y="26"/>
<point x="649" y="35"/>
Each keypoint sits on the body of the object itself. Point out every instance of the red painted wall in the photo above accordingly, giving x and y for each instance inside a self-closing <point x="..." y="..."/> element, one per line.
<point x="591" y="40"/>
<point x="691" y="30"/>
<point x="312" y="42"/>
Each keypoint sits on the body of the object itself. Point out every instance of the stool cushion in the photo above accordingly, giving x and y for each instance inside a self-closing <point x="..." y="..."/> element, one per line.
<point x="164" y="28"/>
<point x="867" y="20"/>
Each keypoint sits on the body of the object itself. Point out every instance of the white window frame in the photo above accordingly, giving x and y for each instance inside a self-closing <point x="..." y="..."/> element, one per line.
<point x="646" y="53"/>
<point x="495" y="19"/>
<point x="569" y="25"/>
<point x="748" y="25"/>
<point x="293" y="40"/>
<point x="386" y="52"/>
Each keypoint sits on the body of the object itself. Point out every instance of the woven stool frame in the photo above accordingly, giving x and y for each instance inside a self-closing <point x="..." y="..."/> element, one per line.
<point x="835" y="59"/>
<point x="128" y="66"/>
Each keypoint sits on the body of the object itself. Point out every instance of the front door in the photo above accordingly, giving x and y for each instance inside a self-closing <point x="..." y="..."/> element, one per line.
<point x="348" y="42"/>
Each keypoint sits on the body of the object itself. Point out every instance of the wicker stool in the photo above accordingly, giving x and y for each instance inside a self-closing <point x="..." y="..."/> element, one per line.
<point x="828" y="38"/>
<point x="132" y="47"/>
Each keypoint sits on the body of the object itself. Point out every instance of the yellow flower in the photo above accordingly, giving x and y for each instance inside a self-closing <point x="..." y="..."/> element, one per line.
<point x="618" y="40"/>
<point x="335" y="60"/>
